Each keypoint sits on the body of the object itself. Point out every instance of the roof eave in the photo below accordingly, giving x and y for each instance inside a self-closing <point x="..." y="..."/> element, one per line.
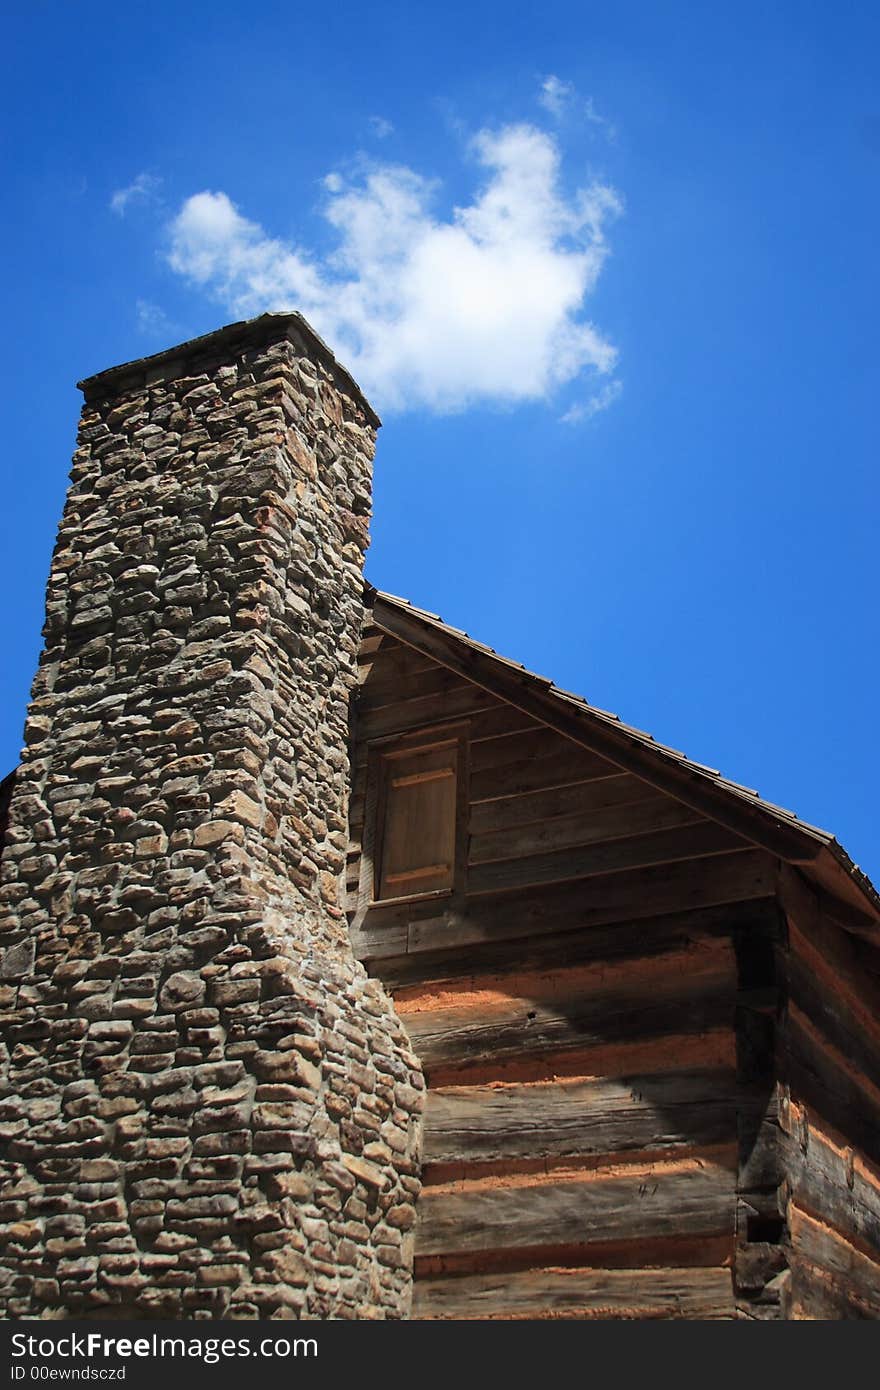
<point x="813" y="850"/>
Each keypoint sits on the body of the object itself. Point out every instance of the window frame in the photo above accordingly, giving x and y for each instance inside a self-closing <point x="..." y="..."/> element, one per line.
<point x="379" y="759"/>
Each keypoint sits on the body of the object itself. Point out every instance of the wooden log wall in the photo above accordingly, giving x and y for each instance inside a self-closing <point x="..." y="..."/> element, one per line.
<point x="576" y="1007"/>
<point x="761" y="1258"/>
<point x="829" y="1057"/>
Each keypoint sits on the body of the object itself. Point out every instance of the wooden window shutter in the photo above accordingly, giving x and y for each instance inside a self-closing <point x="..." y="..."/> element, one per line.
<point x="418" y="821"/>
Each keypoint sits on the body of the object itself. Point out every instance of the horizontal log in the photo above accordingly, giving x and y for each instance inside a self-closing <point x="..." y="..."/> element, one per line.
<point x="380" y="933"/>
<point x="651" y="1055"/>
<point x="394" y="659"/>
<point x="585" y="828"/>
<point x="578" y="1293"/>
<point x="826" y="1264"/>
<point x="691" y="992"/>
<point x="389" y="685"/>
<point x="645" y="893"/>
<point x="664" y="1252"/>
<point x="823" y="1078"/>
<point x="613" y="856"/>
<point x="480" y="1124"/>
<point x="530" y="774"/>
<point x="454" y="704"/>
<point x="486" y="722"/>
<point x="815" y="1296"/>
<point x="534" y="808"/>
<point x="847" y="968"/>
<point x="832" y="1015"/>
<point x="690" y="1197"/>
<point x="619" y="941"/>
<point x="539" y="742"/>
<point x="709" y="958"/>
<point x="841" y="897"/>
<point x="833" y="1185"/>
<point x="447" y="1041"/>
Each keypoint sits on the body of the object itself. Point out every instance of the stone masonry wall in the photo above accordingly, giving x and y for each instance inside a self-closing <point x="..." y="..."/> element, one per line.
<point x="206" y="1108"/>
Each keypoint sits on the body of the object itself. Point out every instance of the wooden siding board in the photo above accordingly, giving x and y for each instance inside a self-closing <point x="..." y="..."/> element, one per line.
<point x="831" y="1276"/>
<point x="458" y="1037"/>
<point x="608" y="856"/>
<point x="459" y="701"/>
<point x="636" y="940"/>
<point x="638" y="895"/>
<point x="584" y="828"/>
<point x="694" y="1198"/>
<point x="830" y="1182"/>
<point x="574" y="866"/>
<point x="579" y="1293"/>
<point x="524" y="774"/>
<point x="480" y="1124"/>
<point x="536" y="808"/>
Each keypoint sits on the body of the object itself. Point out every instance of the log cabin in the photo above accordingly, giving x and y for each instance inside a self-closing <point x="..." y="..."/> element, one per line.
<point x="646" y="1001"/>
<point x="348" y="969"/>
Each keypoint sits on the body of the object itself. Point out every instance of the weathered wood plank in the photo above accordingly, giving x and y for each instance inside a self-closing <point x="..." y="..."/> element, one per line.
<point x="709" y="958"/>
<point x="831" y="1182"/>
<point x="690" y="992"/>
<point x="831" y="1013"/>
<point x="536" y="743"/>
<point x="847" y="967"/>
<point x="688" y="1197"/>
<point x="618" y="941"/>
<point x="823" y="1077"/>
<point x="453" y="704"/>
<point x="502" y="719"/>
<point x="653" y="1054"/>
<point x="479" y="1124"/>
<point x="496" y="718"/>
<point x="391" y="684"/>
<point x="529" y="774"/>
<point x="760" y="1144"/>
<point x="533" y="808"/>
<point x="392" y="660"/>
<point x="585" y="828"/>
<point x="578" y="1293"/>
<point x="642" y="894"/>
<point x="661" y="847"/>
<point x="828" y="1268"/>
<point x="816" y="1296"/>
<point x="447" y="1040"/>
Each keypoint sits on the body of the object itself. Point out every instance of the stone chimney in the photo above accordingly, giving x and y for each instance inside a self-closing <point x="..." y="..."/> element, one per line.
<point x="207" y="1108"/>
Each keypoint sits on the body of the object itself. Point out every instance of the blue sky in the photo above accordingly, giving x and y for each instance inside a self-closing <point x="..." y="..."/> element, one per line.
<point x="609" y="274"/>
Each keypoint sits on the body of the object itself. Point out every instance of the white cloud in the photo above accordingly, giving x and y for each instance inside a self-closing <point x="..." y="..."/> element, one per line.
<point x="555" y="95"/>
<point x="483" y="304"/>
<point x="559" y="97"/>
<point x="601" y="400"/>
<point x="143" y="189"/>
<point x="592" y="115"/>
<point x="152" y="319"/>
<point x="380" y="127"/>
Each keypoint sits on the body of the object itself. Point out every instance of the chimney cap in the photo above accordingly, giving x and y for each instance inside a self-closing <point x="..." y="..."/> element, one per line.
<point x="238" y="336"/>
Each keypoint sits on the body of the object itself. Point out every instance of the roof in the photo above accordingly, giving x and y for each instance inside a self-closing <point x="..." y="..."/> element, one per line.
<point x="815" y="851"/>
